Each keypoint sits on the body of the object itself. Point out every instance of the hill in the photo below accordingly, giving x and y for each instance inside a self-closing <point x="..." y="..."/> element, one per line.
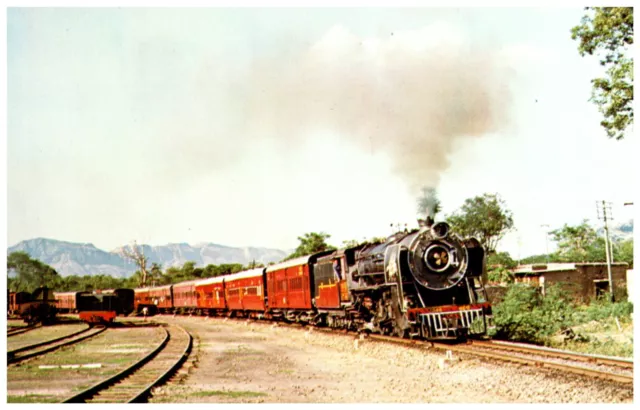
<point x="69" y="258"/>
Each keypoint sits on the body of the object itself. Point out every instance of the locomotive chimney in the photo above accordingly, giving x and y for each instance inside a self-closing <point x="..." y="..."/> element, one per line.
<point x="425" y="223"/>
<point x="429" y="221"/>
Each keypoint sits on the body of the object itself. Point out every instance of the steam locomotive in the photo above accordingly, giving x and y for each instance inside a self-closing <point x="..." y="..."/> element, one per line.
<point x="423" y="283"/>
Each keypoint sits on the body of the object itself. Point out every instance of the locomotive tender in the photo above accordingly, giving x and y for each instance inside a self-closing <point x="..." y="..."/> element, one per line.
<point x="424" y="283"/>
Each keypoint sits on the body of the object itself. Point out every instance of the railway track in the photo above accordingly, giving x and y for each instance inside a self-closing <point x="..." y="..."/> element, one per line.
<point x="134" y="384"/>
<point x="608" y="368"/>
<point x="38" y="349"/>
<point x="603" y="361"/>
<point x="562" y="361"/>
<point x="21" y="330"/>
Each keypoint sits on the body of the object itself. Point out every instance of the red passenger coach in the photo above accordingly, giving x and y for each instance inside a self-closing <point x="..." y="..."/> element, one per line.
<point x="66" y="302"/>
<point x="185" y="297"/>
<point x="210" y="294"/>
<point x="290" y="286"/>
<point x="161" y="297"/>
<point x="245" y="291"/>
<point x="142" y="299"/>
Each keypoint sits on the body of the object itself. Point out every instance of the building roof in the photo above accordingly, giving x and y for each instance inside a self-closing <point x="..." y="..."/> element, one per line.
<point x="539" y="268"/>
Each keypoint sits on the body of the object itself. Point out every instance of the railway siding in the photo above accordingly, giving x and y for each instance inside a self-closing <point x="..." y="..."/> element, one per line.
<point x="134" y="383"/>
<point x="113" y="350"/>
<point x="38" y="349"/>
<point x="41" y="334"/>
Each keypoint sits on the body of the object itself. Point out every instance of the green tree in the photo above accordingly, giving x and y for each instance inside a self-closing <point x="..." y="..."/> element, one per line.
<point x="533" y="259"/>
<point x="499" y="267"/>
<point x="623" y="252"/>
<point x="255" y="264"/>
<point x="608" y="33"/>
<point x="501" y="259"/>
<point x="155" y="274"/>
<point x="576" y="243"/>
<point x="30" y="273"/>
<point x="312" y="242"/>
<point x="350" y="243"/>
<point x="581" y="243"/>
<point x="484" y="217"/>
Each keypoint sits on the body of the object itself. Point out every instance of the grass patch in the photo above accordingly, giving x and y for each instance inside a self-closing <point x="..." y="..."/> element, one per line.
<point x="33" y="398"/>
<point x="608" y="347"/>
<point x="229" y="394"/>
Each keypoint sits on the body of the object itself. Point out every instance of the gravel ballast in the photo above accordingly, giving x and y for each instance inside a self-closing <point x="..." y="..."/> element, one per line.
<point x="236" y="362"/>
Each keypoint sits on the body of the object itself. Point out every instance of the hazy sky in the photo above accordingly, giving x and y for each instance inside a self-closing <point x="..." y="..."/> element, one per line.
<point x="250" y="127"/>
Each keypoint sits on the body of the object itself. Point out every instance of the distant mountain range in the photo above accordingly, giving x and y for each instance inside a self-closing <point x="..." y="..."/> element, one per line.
<point x="69" y="258"/>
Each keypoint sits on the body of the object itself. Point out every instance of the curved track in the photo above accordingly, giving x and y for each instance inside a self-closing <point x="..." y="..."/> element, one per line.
<point x="134" y="384"/>
<point x="21" y="330"/>
<point x="27" y="352"/>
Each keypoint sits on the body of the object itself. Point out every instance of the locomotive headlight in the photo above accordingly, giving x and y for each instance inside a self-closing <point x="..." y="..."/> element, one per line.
<point x="437" y="258"/>
<point x="440" y="230"/>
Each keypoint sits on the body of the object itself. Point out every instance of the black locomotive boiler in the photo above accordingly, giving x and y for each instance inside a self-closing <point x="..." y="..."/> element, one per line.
<point x="424" y="283"/>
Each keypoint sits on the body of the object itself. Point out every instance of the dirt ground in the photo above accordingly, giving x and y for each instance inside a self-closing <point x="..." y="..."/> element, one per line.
<point x="234" y="362"/>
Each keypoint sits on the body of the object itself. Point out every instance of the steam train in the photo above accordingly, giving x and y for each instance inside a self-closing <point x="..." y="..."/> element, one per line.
<point x="38" y="306"/>
<point x="423" y="283"/>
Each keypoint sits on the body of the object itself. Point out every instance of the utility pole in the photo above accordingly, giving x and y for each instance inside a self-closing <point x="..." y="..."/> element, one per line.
<point x="604" y="206"/>
<point x="546" y="240"/>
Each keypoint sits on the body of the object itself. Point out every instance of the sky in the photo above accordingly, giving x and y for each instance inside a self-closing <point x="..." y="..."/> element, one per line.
<point x="250" y="127"/>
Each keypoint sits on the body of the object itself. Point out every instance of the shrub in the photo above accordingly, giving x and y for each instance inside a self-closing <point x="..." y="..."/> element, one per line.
<point x="524" y="315"/>
<point x="601" y="309"/>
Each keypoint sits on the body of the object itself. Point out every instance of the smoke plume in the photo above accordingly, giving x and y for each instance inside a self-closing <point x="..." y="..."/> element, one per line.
<point x="428" y="203"/>
<point x="412" y="95"/>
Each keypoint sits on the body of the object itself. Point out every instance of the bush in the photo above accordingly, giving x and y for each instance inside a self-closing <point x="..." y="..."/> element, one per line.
<point x="524" y="315"/>
<point x="500" y="275"/>
<point x="603" y="308"/>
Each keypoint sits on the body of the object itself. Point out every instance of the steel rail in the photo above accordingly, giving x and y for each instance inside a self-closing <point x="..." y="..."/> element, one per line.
<point x="46" y="342"/>
<point x="560" y="354"/>
<point x="11" y="358"/>
<point x="21" y="330"/>
<point x="468" y="349"/>
<point x="140" y="398"/>
<point x="138" y="395"/>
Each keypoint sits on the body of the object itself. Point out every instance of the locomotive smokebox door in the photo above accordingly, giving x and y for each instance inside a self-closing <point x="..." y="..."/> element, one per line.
<point x="437" y="261"/>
